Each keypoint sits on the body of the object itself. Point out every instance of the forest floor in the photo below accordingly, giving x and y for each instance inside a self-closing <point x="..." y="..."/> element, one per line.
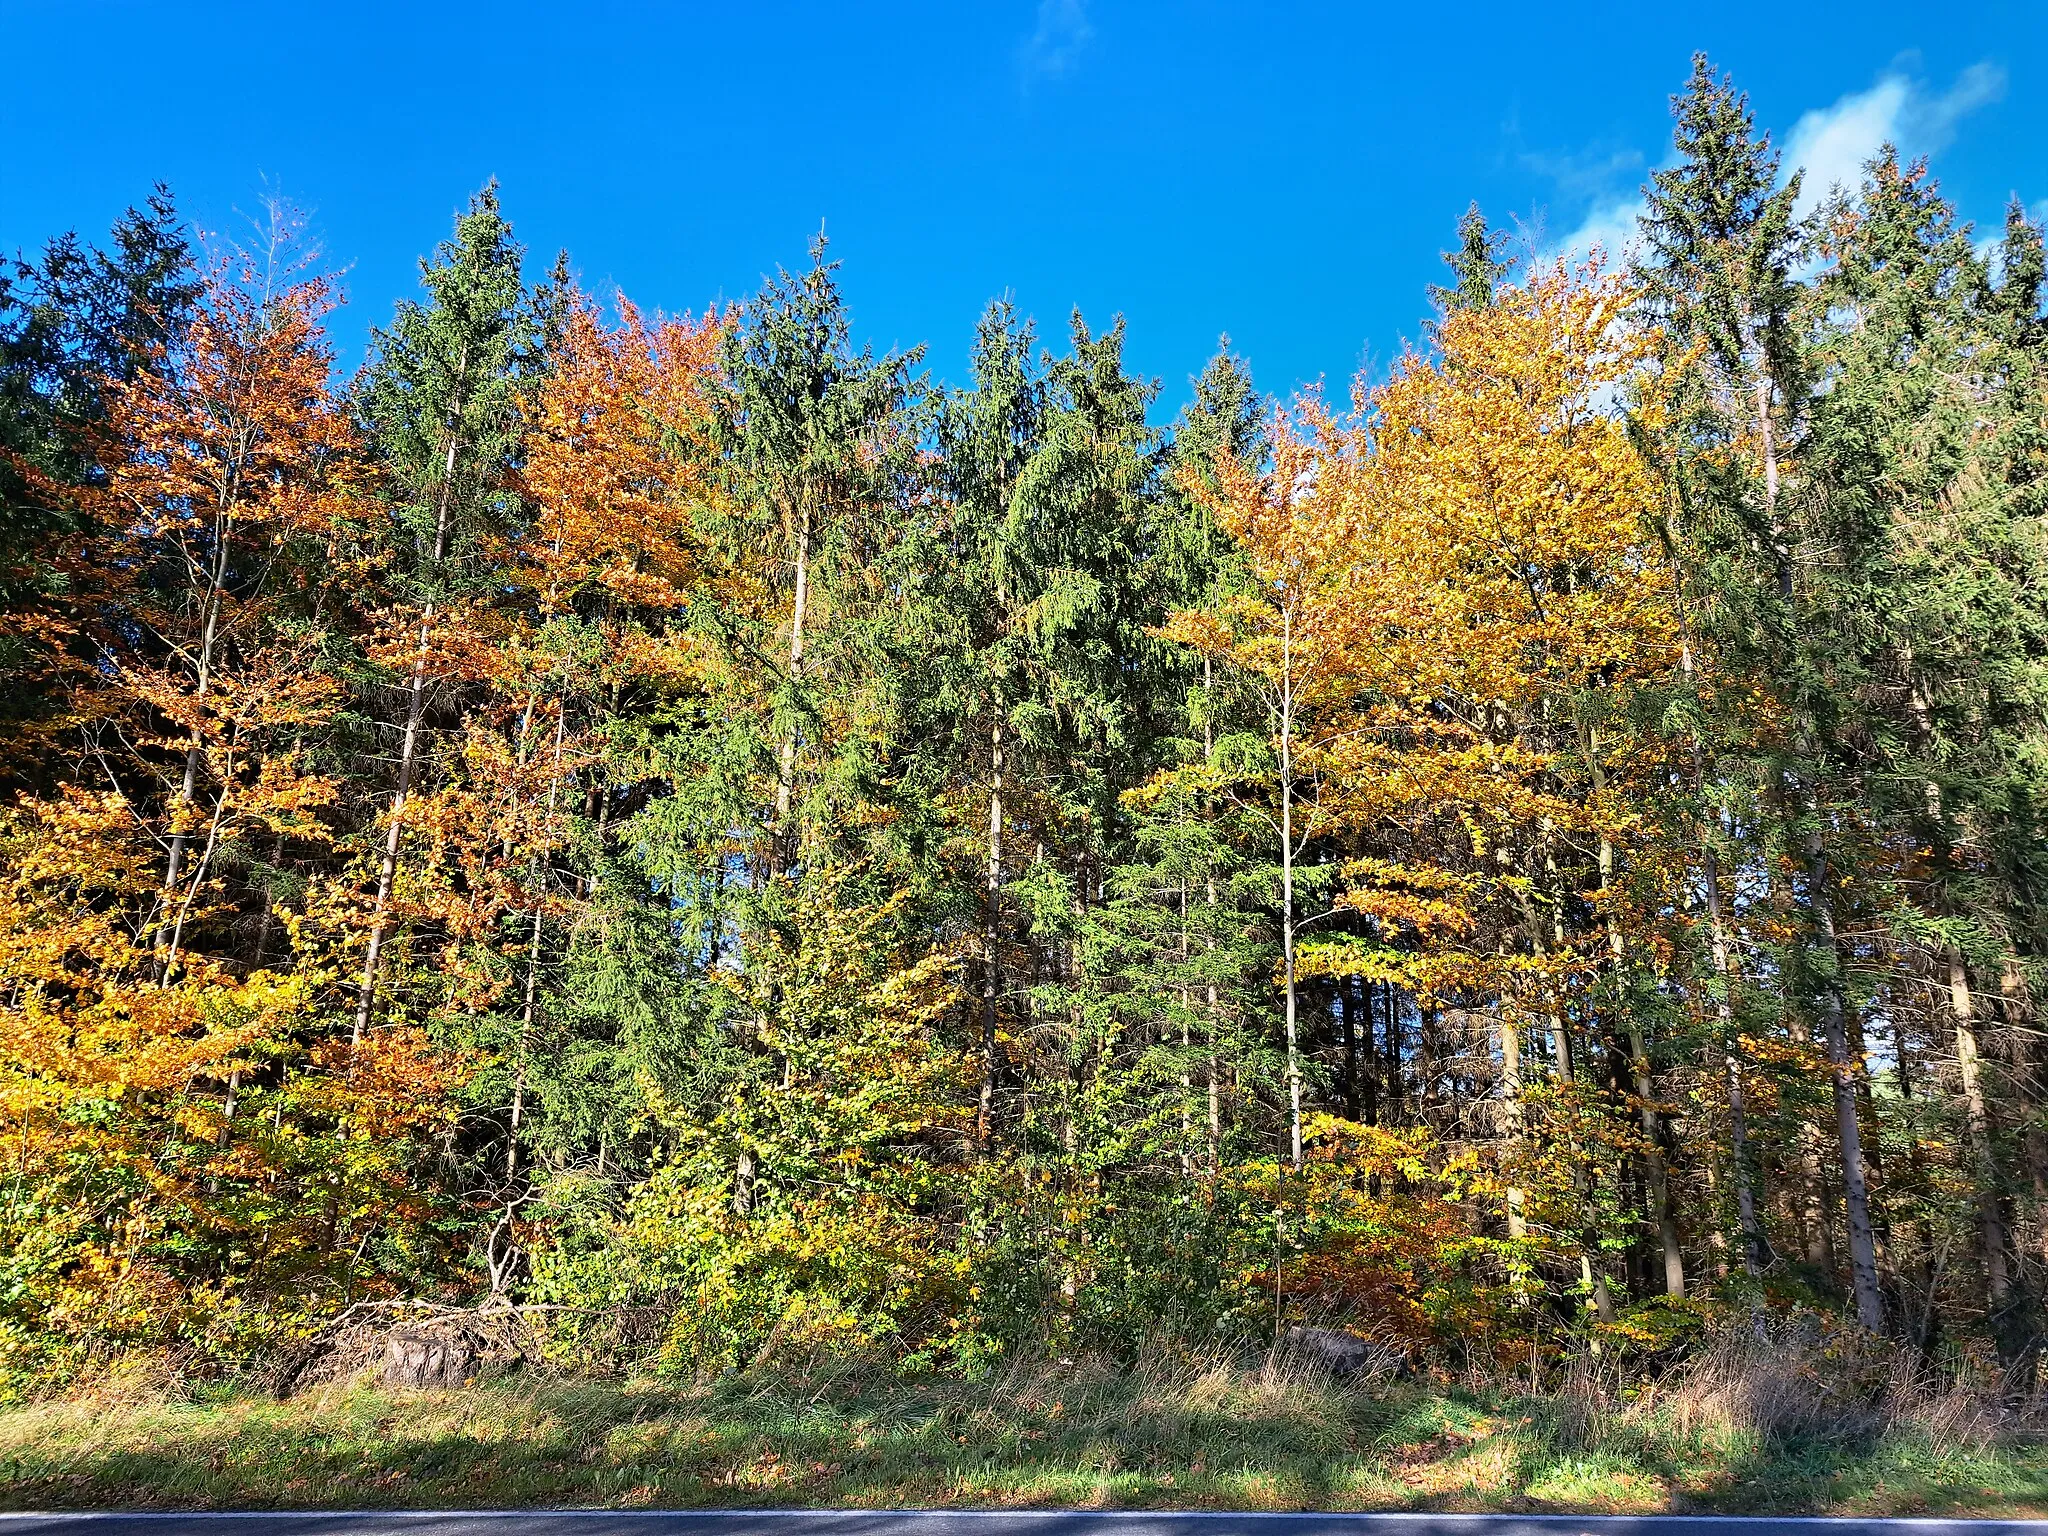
<point x="1220" y="1437"/>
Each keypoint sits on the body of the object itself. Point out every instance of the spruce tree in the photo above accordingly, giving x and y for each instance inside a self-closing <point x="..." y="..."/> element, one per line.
<point x="983" y="588"/>
<point x="439" y="400"/>
<point x="73" y="321"/>
<point x="1721" y="254"/>
<point x="818" y="440"/>
<point x="1478" y="266"/>
<point x="1933" y="637"/>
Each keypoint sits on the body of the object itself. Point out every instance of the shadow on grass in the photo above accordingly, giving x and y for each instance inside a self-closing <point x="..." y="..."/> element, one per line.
<point x="1213" y="1436"/>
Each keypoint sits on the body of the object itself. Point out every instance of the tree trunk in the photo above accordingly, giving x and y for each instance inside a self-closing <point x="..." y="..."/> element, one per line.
<point x="1390" y="1004"/>
<point x="991" y="936"/>
<point x="1991" y="1228"/>
<point x="1365" y="1072"/>
<point x="1756" y="1250"/>
<point x="1215" y="1147"/>
<point x="1657" y="1179"/>
<point x="529" y="1007"/>
<point x="1187" y="1080"/>
<point x="1287" y="884"/>
<point x="1512" y="1119"/>
<point x="1834" y="1029"/>
<point x="209" y="637"/>
<point x="408" y="751"/>
<point x="785" y="779"/>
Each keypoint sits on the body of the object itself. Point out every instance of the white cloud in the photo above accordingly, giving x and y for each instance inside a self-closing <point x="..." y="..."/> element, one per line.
<point x="1831" y="144"/>
<point x="1990" y="246"/>
<point x="1054" y="48"/>
<point x="1610" y="225"/>
<point x="1588" y="173"/>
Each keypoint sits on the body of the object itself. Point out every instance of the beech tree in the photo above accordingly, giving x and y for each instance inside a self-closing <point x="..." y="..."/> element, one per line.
<point x="689" y="829"/>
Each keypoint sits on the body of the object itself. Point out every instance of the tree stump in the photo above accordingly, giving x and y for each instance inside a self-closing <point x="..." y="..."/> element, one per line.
<point x="420" y="1360"/>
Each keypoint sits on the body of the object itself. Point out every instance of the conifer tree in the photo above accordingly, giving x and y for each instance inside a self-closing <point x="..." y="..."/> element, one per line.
<point x="1928" y="620"/>
<point x="1721" y="249"/>
<point x="985" y="591"/>
<point x="440" y="401"/>
<point x="1079" y="524"/>
<point x="72" y="323"/>
<point x="817" y="438"/>
<point x="1478" y="265"/>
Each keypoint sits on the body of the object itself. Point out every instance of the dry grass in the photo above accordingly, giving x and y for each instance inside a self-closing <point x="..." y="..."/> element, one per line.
<point x="1800" y="1381"/>
<point x="1815" y="1427"/>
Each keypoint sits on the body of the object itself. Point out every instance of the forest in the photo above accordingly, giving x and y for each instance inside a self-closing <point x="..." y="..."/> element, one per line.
<point x="717" y="845"/>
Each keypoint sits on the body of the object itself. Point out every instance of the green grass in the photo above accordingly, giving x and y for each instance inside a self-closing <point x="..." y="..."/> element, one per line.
<point x="1218" y="1438"/>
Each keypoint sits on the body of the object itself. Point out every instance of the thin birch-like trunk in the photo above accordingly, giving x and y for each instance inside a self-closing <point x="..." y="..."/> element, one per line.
<point x="785" y="777"/>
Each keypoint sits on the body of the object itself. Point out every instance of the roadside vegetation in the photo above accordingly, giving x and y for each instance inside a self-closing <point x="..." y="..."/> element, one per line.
<point x="622" y="908"/>
<point x="1823" y="1426"/>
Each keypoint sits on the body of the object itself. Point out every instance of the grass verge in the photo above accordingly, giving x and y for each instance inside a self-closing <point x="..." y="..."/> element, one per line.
<point x="1215" y="1436"/>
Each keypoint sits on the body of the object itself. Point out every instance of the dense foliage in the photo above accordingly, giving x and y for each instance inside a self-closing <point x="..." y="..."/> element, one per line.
<point x="698" y="827"/>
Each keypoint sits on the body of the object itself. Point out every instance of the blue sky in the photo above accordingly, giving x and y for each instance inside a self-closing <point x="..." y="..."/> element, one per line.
<point x="1284" y="171"/>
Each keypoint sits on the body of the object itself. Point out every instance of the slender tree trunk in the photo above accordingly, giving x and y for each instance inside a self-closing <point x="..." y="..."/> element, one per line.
<point x="1364" y="1070"/>
<point x="522" y="1046"/>
<point x="1429" y="1086"/>
<point x="1345" y="1012"/>
<point x="1209" y="998"/>
<point x="1187" y="1080"/>
<point x="188" y="788"/>
<point x="1991" y="1229"/>
<point x="1656" y="1174"/>
<point x="529" y="1005"/>
<point x="269" y="908"/>
<point x="209" y="638"/>
<point x="1814" y="1201"/>
<point x="415" y="713"/>
<point x="1513" y="1120"/>
<point x="1921" y="1332"/>
<point x="991" y="936"/>
<point x="1215" y="1148"/>
<point x="785" y="778"/>
<point x="192" y="886"/>
<point x="1287" y="884"/>
<point x="1767" y="446"/>
<point x="1756" y="1251"/>
<point x="1834" y="1028"/>
<point x="1390" y="1004"/>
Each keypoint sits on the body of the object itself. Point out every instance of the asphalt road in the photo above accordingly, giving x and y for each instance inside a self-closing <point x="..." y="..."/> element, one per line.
<point x="968" y="1523"/>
